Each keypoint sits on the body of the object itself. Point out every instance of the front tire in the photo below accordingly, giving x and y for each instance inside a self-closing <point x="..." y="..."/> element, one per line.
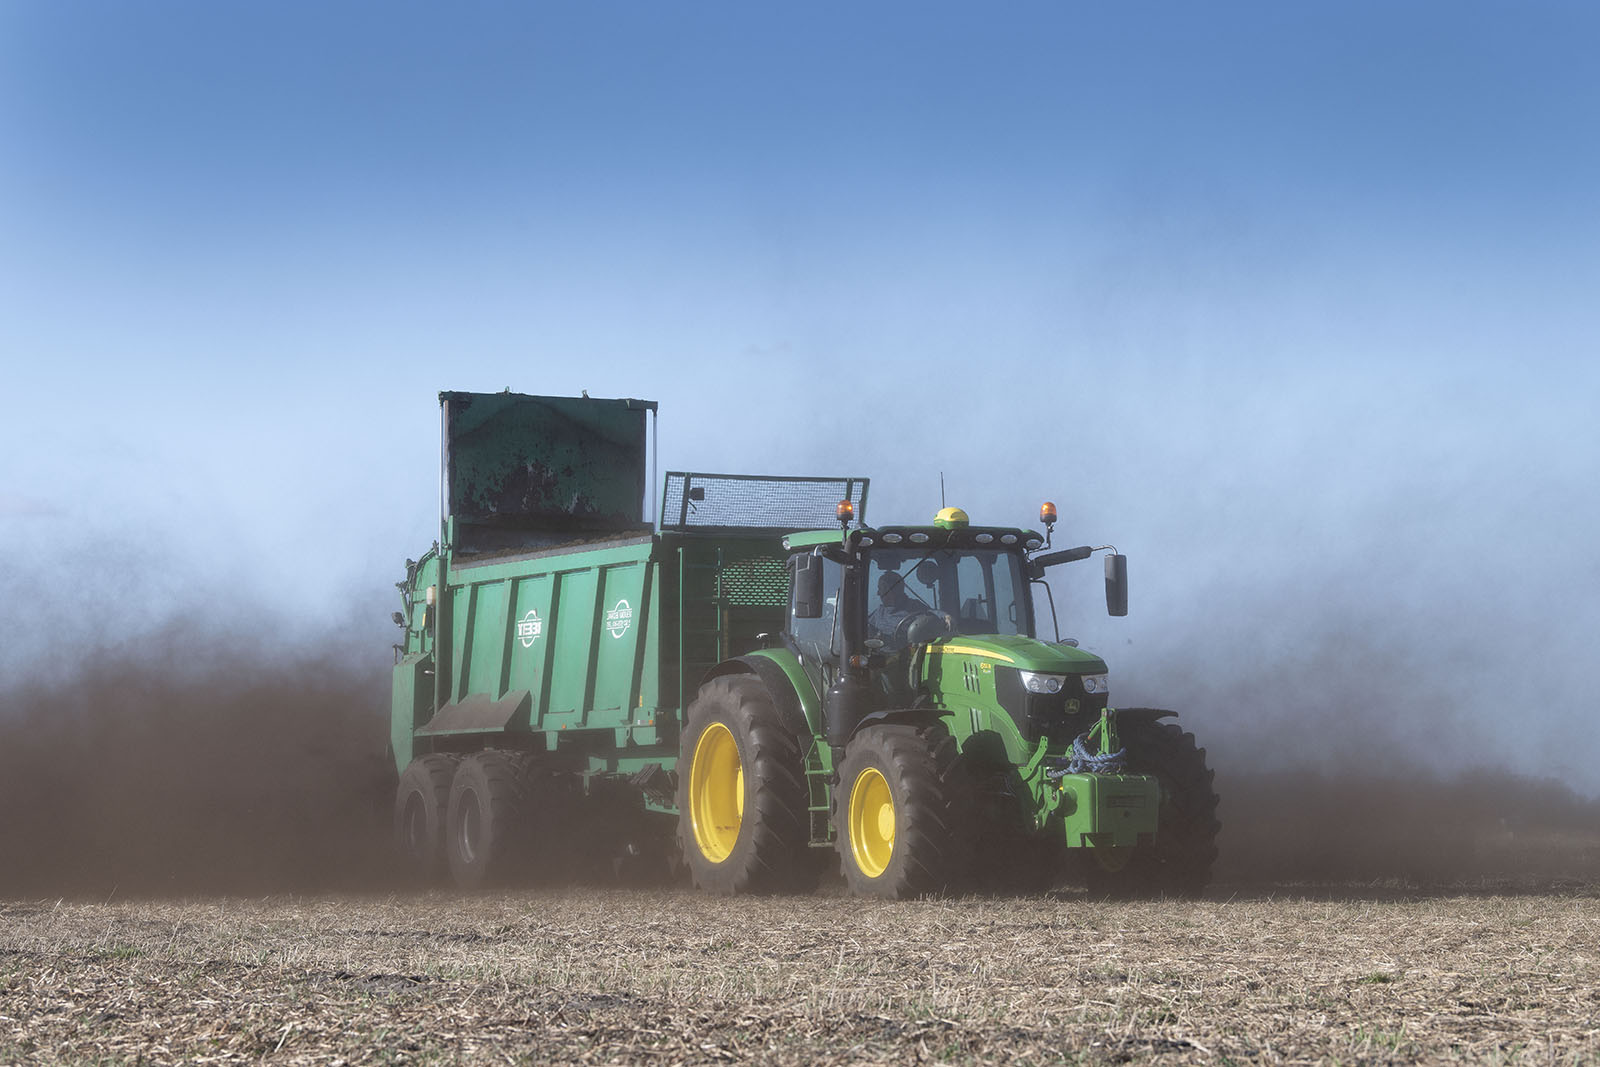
<point x="487" y="827"/>
<point x="1178" y="863"/>
<point x="902" y="812"/>
<point x="743" y="819"/>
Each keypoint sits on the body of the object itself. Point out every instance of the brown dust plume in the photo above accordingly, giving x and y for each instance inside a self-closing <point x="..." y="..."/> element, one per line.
<point x="203" y="763"/>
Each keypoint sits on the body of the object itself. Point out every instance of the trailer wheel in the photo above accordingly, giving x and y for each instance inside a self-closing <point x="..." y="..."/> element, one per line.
<point x="743" y="821"/>
<point x="903" y="811"/>
<point x="487" y="827"/>
<point x="1178" y="863"/>
<point x="420" y="802"/>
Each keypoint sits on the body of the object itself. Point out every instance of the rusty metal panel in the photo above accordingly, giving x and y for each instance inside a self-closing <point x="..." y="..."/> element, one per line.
<point x="518" y="467"/>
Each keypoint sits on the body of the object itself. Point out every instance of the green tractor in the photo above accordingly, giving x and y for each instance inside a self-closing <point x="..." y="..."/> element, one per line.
<point x="908" y="698"/>
<point x="773" y="683"/>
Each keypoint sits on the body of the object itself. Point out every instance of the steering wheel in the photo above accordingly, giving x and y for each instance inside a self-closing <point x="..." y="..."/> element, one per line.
<point x="921" y="628"/>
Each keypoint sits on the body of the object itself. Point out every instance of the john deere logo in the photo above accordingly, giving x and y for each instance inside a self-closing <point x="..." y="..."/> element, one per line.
<point x="619" y="618"/>
<point x="529" y="627"/>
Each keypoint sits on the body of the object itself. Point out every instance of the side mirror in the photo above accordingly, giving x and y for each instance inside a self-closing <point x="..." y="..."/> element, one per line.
<point x="807" y="596"/>
<point x="1116" y="585"/>
<point x="399" y="619"/>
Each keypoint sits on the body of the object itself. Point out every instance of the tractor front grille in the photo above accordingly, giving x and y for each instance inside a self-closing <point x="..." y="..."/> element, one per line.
<point x="1058" y="716"/>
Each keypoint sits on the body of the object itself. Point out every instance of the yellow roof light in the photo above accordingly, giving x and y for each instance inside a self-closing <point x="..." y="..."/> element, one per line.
<point x="950" y="518"/>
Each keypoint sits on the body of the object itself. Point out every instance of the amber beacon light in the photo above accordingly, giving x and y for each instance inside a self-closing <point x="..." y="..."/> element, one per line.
<point x="846" y="511"/>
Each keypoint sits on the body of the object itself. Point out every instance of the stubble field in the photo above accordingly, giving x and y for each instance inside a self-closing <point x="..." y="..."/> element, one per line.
<point x="657" y="977"/>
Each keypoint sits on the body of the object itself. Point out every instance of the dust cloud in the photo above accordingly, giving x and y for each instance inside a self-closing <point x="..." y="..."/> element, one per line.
<point x="1486" y="828"/>
<point x="1353" y="749"/>
<point x="198" y="762"/>
<point x="195" y="762"/>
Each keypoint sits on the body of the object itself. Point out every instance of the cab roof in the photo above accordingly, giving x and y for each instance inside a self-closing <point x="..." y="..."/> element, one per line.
<point x="921" y="537"/>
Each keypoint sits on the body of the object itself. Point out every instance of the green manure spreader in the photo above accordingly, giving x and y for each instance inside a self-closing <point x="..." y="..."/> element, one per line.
<point x="753" y="681"/>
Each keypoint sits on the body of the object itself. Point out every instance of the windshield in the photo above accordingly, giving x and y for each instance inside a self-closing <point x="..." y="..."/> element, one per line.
<point x="974" y="591"/>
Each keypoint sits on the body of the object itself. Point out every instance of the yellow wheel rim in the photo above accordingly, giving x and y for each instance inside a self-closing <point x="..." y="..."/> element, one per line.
<point x="871" y="822"/>
<point x="716" y="792"/>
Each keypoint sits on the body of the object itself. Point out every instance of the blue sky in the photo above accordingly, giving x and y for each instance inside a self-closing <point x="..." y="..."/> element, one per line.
<point x="1294" y="303"/>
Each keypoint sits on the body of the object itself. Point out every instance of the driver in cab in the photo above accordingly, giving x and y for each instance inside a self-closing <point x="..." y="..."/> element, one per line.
<point x="894" y="617"/>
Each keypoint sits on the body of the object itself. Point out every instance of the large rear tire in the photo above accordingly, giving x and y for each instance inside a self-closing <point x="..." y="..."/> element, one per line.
<point x="903" y="812"/>
<point x="420" y="802"/>
<point x="1178" y="863"/>
<point x="487" y="827"/>
<point x="743" y="823"/>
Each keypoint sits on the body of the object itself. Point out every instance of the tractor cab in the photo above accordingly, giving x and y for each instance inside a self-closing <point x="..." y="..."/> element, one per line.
<point x="903" y="586"/>
<point x="926" y="583"/>
<point x="905" y="616"/>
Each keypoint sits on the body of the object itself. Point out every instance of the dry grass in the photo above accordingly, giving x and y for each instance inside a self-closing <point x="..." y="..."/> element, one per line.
<point x="672" y="977"/>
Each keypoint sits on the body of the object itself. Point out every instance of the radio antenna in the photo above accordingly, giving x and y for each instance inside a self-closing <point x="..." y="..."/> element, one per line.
<point x="941" y="489"/>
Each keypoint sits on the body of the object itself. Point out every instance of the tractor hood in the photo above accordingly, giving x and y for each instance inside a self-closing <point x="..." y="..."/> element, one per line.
<point x="1024" y="653"/>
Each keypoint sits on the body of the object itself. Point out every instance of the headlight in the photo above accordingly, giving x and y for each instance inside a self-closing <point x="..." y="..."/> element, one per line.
<point x="1035" y="682"/>
<point x="1096" y="683"/>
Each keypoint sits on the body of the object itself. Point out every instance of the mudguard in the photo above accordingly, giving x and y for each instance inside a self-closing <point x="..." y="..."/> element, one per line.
<point x="779" y="684"/>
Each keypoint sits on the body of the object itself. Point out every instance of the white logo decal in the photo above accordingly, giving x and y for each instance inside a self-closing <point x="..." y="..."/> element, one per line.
<point x="619" y="618"/>
<point x="529" y="627"/>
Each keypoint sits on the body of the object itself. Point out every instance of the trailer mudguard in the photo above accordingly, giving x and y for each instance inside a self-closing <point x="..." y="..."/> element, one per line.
<point x="480" y="714"/>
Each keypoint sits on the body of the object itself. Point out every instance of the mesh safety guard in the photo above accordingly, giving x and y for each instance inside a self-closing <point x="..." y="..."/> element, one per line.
<point x="760" y="502"/>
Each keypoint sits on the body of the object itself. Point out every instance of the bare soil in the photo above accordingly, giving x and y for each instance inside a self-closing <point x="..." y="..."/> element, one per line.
<point x="654" y="977"/>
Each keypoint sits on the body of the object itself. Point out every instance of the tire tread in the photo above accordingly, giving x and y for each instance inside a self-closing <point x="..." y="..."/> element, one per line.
<point x="933" y="808"/>
<point x="772" y="853"/>
<point x="1179" y="862"/>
